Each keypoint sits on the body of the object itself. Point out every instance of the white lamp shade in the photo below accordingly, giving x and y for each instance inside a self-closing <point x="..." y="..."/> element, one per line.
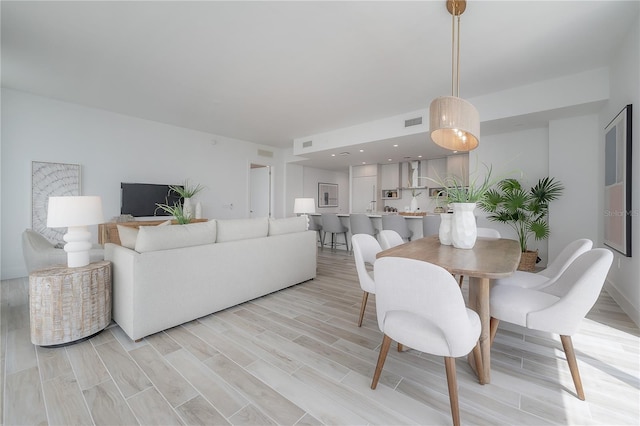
<point x="74" y="211"/>
<point x="304" y="206"/>
<point x="454" y="123"/>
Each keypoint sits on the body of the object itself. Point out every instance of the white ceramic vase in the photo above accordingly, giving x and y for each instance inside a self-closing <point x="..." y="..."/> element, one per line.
<point x="444" y="232"/>
<point x="198" y="210"/>
<point x="414" y="204"/>
<point x="464" y="230"/>
<point x="187" y="207"/>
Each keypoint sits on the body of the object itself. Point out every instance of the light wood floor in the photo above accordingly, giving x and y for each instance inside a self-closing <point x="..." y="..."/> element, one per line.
<point x="297" y="357"/>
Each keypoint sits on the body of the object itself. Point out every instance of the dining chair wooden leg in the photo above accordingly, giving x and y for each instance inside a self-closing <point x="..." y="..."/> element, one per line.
<point x="460" y="280"/>
<point x="400" y="347"/>
<point x="567" y="345"/>
<point x="365" y="296"/>
<point x="493" y="329"/>
<point x="452" y="382"/>
<point x="384" y="349"/>
<point x="477" y="358"/>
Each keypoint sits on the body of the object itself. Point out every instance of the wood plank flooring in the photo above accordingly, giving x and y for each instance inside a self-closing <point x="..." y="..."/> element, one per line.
<point x="296" y="357"/>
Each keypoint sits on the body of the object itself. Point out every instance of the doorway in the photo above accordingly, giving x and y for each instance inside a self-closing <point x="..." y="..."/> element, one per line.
<point x="259" y="190"/>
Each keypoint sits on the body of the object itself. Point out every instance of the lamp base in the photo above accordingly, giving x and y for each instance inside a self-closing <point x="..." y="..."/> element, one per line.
<point x="78" y="246"/>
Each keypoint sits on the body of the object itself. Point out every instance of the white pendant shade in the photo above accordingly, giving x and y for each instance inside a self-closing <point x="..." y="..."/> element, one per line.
<point x="454" y="123"/>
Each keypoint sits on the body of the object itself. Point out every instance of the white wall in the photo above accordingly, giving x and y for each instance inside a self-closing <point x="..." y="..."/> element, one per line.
<point x="113" y="148"/>
<point x="622" y="282"/>
<point x="312" y="176"/>
<point x="574" y="149"/>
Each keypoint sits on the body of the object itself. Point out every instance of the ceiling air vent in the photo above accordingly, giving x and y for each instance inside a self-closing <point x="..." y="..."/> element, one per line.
<point x="413" y="122"/>
<point x="307" y="144"/>
<point x="265" y="153"/>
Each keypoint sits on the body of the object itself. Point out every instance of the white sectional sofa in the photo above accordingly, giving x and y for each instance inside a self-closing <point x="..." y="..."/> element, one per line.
<point x="169" y="275"/>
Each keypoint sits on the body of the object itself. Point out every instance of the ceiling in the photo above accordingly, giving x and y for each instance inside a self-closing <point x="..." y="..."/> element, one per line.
<point x="269" y="72"/>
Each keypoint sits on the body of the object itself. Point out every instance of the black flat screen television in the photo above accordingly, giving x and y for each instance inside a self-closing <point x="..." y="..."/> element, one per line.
<point x="139" y="199"/>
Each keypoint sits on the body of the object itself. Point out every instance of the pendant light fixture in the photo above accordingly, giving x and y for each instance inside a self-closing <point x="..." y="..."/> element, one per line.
<point x="454" y="123"/>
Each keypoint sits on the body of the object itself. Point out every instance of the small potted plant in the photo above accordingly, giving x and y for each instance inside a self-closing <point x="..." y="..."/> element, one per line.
<point x="525" y="211"/>
<point x="187" y="191"/>
<point x="177" y="211"/>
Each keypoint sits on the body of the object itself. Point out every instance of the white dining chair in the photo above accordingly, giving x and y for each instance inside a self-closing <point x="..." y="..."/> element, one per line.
<point x="419" y="305"/>
<point x="390" y="238"/>
<point x="365" y="249"/>
<point x="554" y="269"/>
<point x="557" y="308"/>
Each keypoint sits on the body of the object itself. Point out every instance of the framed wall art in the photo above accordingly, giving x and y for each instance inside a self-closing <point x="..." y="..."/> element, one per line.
<point x="47" y="180"/>
<point x="327" y="195"/>
<point x="617" y="182"/>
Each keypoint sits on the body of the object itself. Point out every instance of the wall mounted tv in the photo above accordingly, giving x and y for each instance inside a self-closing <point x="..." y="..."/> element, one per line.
<point x="139" y="199"/>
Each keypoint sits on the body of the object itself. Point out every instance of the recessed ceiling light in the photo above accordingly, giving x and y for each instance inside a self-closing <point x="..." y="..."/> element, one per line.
<point x="419" y="156"/>
<point x="333" y="155"/>
<point x="362" y="150"/>
<point x="395" y="145"/>
<point x="364" y="162"/>
<point x="389" y="159"/>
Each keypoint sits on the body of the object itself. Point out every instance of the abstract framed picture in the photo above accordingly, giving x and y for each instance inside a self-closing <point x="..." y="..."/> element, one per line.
<point x="327" y="195"/>
<point x="50" y="180"/>
<point x="617" y="182"/>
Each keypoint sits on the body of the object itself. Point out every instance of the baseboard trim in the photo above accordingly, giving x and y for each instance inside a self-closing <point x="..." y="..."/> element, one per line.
<point x="626" y="306"/>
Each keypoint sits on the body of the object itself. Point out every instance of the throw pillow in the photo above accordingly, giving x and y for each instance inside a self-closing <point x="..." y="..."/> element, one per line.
<point x="128" y="236"/>
<point x="153" y="238"/>
<point x="287" y="225"/>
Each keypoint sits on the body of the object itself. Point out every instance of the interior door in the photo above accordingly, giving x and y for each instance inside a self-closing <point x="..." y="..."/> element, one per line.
<point x="260" y="191"/>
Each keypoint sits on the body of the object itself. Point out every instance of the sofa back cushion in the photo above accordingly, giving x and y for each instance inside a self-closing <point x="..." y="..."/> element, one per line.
<point x="153" y="238"/>
<point x="242" y="229"/>
<point x="287" y="225"/>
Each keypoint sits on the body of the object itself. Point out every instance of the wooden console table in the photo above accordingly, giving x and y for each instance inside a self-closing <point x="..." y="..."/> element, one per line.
<point x="108" y="232"/>
<point x="68" y="304"/>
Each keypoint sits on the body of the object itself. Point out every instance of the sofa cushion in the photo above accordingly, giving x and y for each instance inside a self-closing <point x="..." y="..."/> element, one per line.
<point x="128" y="236"/>
<point x="287" y="225"/>
<point x="153" y="238"/>
<point x="242" y="229"/>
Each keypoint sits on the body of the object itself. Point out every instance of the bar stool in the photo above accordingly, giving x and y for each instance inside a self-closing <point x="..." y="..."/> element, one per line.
<point x="331" y="224"/>
<point x="361" y="224"/>
<point x="315" y="226"/>
<point x="430" y="225"/>
<point x="397" y="223"/>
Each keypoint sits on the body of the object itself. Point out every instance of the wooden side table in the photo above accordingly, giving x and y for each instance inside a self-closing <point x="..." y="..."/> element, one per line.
<point x="68" y="304"/>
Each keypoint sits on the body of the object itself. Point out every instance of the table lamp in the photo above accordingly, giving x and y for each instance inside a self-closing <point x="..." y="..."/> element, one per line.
<point x="75" y="213"/>
<point x="304" y="206"/>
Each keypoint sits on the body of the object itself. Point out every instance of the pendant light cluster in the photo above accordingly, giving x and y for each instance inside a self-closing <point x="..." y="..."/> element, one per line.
<point x="454" y="122"/>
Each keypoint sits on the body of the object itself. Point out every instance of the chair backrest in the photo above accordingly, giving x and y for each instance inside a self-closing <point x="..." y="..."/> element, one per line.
<point x="396" y="223"/>
<point x="578" y="288"/>
<point x="331" y="223"/>
<point x="430" y="225"/>
<point x="390" y="238"/>
<point x="488" y="233"/>
<point x="425" y="290"/>
<point x="361" y="224"/>
<point x="566" y="256"/>
<point x="313" y="223"/>
<point x="365" y="249"/>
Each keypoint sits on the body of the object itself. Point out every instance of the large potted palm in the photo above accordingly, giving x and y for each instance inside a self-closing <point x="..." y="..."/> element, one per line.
<point x="524" y="210"/>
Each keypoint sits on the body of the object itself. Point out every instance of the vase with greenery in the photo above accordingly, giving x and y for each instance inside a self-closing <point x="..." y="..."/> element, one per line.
<point x="525" y="211"/>
<point x="463" y="199"/>
<point x="187" y="191"/>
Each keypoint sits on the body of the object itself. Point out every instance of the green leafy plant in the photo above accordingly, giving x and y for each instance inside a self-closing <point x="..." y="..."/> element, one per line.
<point x="186" y="190"/>
<point x="176" y="211"/>
<point x="456" y="191"/>
<point x="525" y="211"/>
